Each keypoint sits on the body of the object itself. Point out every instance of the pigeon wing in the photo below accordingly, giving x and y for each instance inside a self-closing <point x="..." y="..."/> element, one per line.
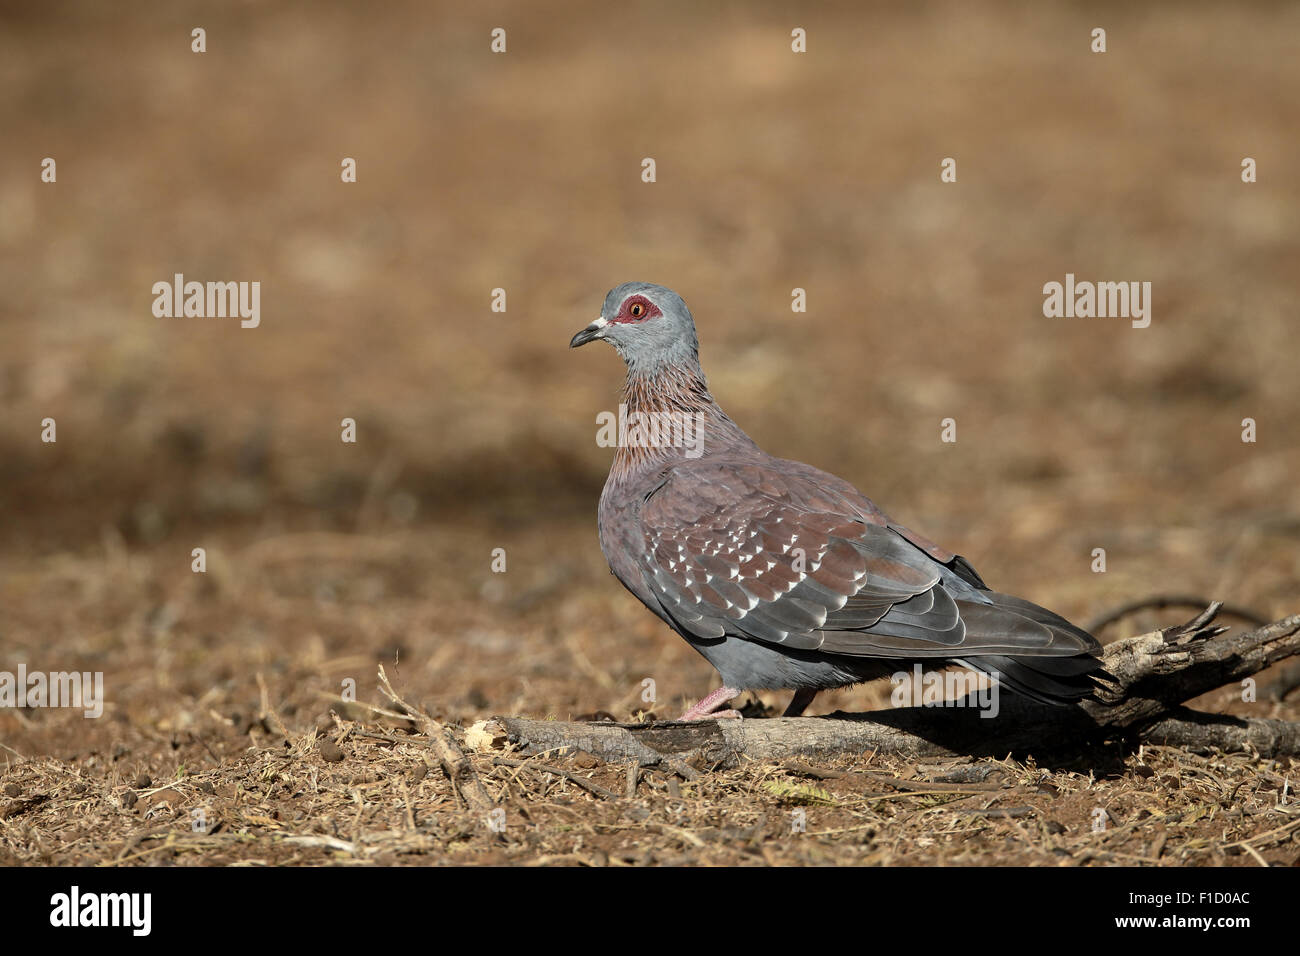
<point x="797" y="559"/>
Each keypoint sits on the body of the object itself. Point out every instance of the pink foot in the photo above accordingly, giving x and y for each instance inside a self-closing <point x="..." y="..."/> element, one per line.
<point x="705" y="709"/>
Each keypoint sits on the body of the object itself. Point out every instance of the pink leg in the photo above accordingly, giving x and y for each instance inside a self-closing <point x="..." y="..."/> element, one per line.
<point x="802" y="698"/>
<point x="705" y="709"/>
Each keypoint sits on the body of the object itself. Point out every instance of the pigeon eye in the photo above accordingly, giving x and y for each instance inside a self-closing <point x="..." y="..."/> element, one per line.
<point x="636" y="310"/>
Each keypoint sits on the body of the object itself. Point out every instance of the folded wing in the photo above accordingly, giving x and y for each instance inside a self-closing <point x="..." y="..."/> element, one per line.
<point x="801" y="560"/>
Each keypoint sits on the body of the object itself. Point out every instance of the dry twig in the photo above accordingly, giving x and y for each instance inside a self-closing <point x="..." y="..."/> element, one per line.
<point x="1151" y="677"/>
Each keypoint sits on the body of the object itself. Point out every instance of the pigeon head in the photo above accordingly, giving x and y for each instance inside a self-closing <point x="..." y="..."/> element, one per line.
<point x="648" y="325"/>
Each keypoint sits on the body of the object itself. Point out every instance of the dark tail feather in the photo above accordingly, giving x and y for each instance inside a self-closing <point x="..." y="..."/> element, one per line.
<point x="1061" y="672"/>
<point x="1048" y="680"/>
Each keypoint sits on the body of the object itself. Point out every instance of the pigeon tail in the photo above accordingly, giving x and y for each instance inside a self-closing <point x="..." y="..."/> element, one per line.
<point x="1063" y="671"/>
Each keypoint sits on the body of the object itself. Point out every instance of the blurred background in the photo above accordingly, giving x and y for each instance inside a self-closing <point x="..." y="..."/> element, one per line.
<point x="476" y="430"/>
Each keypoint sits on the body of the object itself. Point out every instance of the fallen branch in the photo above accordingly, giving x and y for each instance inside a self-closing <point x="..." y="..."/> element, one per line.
<point x="1152" y="676"/>
<point x="1191" y="730"/>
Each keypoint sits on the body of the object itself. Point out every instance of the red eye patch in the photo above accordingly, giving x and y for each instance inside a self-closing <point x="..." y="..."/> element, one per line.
<point x="636" y="308"/>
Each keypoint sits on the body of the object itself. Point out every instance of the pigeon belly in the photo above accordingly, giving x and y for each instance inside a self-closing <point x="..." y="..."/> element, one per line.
<point x="751" y="665"/>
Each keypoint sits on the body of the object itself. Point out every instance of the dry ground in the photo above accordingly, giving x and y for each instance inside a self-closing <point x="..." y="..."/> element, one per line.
<point x="476" y="428"/>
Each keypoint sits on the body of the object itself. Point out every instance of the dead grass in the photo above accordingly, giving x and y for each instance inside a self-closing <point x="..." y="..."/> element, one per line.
<point x="378" y="801"/>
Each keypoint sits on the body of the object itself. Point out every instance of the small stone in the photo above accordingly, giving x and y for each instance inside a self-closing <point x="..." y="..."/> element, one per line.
<point x="329" y="750"/>
<point x="586" y="761"/>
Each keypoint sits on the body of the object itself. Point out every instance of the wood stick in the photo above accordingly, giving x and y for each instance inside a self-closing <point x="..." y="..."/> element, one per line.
<point x="452" y="759"/>
<point x="1153" y="675"/>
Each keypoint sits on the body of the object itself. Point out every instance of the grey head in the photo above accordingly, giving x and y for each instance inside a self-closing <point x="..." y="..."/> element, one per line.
<point x="648" y="325"/>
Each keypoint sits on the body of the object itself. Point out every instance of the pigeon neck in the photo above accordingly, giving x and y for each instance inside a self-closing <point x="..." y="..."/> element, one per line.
<point x="668" y="389"/>
<point x="670" y="416"/>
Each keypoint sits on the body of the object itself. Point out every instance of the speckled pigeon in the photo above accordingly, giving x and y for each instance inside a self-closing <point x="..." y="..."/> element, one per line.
<point x="783" y="576"/>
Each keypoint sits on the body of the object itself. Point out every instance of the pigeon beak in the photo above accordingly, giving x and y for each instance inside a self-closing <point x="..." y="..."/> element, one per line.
<point x="588" y="334"/>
